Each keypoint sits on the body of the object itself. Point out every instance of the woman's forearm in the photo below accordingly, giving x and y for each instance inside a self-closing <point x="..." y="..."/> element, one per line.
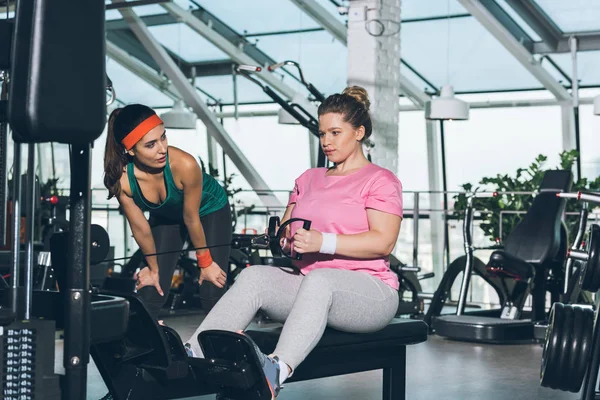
<point x="145" y="240"/>
<point x="196" y="232"/>
<point x="371" y="244"/>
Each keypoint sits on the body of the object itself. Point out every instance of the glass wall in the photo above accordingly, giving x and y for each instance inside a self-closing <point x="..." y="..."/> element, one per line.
<point x="493" y="141"/>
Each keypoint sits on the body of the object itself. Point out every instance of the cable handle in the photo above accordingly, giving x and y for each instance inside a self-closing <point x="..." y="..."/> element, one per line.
<point x="275" y="237"/>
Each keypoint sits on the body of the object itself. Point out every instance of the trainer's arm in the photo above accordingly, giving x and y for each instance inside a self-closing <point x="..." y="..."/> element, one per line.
<point x="140" y="228"/>
<point x="192" y="197"/>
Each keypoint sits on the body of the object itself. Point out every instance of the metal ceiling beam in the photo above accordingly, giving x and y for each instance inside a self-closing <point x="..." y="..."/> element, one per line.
<point x="135" y="3"/>
<point x="588" y="41"/>
<point x="129" y="43"/>
<point x="141" y="70"/>
<point x="238" y="51"/>
<point x="214" y="67"/>
<point x="504" y="19"/>
<point x="493" y="18"/>
<point x="191" y="97"/>
<point x="149" y="74"/>
<point x="323" y="18"/>
<point x="538" y="20"/>
<point x="339" y="31"/>
<point x="126" y="40"/>
<point x="149" y="20"/>
<point x="208" y="19"/>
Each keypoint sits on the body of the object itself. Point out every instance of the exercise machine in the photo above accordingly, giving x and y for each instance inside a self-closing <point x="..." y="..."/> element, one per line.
<point x="293" y="108"/>
<point x="150" y="362"/>
<point x="536" y="246"/>
<point x="44" y="80"/>
<point x="567" y="279"/>
<point x="571" y="355"/>
<point x="465" y="265"/>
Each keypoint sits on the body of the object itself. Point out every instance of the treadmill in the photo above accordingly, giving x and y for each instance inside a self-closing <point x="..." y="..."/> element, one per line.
<point x="530" y="252"/>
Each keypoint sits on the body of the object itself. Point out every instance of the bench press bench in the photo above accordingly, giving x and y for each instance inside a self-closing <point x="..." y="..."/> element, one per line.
<point x="341" y="353"/>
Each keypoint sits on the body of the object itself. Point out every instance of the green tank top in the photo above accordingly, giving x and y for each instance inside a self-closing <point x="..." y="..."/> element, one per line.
<point x="214" y="196"/>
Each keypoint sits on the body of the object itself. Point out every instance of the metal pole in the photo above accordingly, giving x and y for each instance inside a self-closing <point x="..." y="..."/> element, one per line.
<point x="3" y="164"/>
<point x="416" y="216"/>
<point x="445" y="190"/>
<point x="30" y="226"/>
<point x="575" y="94"/>
<point x="125" y="238"/>
<point x="16" y="236"/>
<point x="235" y="94"/>
<point x="577" y="141"/>
<point x="77" y="307"/>
<point x="468" y="239"/>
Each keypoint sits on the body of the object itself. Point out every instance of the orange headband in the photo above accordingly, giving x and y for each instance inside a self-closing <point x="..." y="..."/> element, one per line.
<point x="140" y="131"/>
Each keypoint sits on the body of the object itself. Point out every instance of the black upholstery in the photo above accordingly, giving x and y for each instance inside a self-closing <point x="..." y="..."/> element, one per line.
<point x="503" y="263"/>
<point x="400" y="331"/>
<point x="536" y="240"/>
<point x="46" y="76"/>
<point x="340" y="353"/>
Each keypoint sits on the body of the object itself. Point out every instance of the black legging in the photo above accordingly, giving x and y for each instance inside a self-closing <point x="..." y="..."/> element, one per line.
<point x="171" y="236"/>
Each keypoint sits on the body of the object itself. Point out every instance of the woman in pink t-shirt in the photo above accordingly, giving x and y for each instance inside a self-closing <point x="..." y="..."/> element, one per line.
<point x="344" y="280"/>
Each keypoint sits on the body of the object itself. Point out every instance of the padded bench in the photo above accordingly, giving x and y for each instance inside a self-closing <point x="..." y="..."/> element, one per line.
<point x="340" y="353"/>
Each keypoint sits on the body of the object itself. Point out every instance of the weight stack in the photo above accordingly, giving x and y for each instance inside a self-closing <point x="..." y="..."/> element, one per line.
<point x="27" y="355"/>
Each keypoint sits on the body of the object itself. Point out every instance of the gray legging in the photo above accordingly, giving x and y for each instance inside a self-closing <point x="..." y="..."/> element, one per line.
<point x="345" y="300"/>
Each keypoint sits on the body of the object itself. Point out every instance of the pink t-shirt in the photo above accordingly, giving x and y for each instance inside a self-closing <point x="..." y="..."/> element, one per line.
<point x="338" y="204"/>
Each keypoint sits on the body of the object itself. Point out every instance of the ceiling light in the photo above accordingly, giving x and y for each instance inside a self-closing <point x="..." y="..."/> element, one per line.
<point x="597" y="105"/>
<point x="179" y="117"/>
<point x="446" y="106"/>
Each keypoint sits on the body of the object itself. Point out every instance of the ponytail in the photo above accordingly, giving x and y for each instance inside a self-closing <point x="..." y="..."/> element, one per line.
<point x="120" y="123"/>
<point x="115" y="158"/>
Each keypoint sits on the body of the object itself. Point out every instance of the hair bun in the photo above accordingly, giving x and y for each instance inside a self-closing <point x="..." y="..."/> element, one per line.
<point x="359" y="94"/>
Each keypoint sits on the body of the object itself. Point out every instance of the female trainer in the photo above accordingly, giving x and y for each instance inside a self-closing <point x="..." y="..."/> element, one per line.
<point x="145" y="174"/>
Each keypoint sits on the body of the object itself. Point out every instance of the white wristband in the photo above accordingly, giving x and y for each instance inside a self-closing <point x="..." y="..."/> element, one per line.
<point x="329" y="243"/>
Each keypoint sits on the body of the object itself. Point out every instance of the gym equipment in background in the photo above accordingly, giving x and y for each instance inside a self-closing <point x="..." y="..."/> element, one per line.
<point x="465" y="264"/>
<point x="570" y="274"/>
<point x="45" y="79"/>
<point x="536" y="246"/>
<point x="571" y="353"/>
<point x="293" y="108"/>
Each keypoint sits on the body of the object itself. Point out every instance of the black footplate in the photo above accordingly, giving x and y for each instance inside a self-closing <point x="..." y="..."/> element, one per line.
<point x="231" y="363"/>
<point x="224" y="373"/>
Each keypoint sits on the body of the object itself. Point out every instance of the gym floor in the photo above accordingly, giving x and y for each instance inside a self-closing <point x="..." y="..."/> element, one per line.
<point x="436" y="369"/>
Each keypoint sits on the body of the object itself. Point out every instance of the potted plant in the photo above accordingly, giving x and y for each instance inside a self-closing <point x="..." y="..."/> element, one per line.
<point x="525" y="180"/>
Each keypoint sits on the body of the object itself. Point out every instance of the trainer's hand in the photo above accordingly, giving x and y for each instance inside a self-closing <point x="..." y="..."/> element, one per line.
<point x="146" y="277"/>
<point x="307" y="241"/>
<point x="213" y="273"/>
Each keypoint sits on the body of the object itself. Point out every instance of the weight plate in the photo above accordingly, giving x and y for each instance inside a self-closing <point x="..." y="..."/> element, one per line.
<point x="561" y="376"/>
<point x="100" y="244"/>
<point x="550" y="353"/>
<point x="567" y="347"/>
<point x="593" y="263"/>
<point x="582" y="351"/>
